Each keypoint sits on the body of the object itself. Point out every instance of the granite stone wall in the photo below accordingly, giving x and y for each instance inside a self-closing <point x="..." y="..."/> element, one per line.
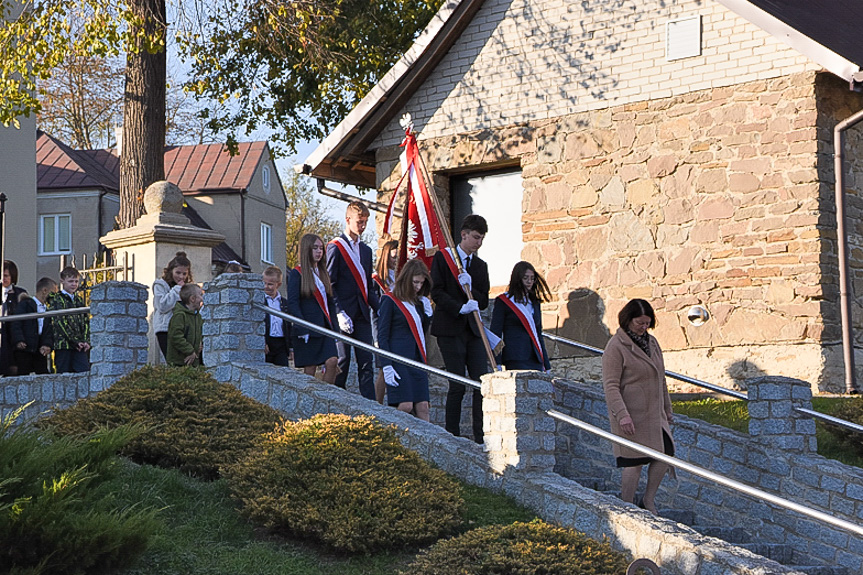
<point x="721" y="197"/>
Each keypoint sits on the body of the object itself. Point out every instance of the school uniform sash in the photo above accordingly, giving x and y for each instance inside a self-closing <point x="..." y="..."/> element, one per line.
<point x="414" y="322"/>
<point x="385" y="289"/>
<point x="352" y="258"/>
<point x="526" y="320"/>
<point x="320" y="294"/>
<point x="449" y="255"/>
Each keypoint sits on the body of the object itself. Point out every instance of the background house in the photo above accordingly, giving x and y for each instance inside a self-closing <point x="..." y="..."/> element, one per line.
<point x="239" y="196"/>
<point x="678" y="151"/>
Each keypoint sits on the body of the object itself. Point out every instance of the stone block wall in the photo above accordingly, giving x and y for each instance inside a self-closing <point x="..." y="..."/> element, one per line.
<point x="118" y="335"/>
<point x="762" y="462"/>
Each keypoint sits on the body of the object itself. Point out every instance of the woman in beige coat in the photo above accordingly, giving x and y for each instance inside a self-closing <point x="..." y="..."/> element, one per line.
<point x="639" y="407"/>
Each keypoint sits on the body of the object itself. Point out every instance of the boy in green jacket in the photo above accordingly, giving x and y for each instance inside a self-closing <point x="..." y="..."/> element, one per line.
<point x="185" y="332"/>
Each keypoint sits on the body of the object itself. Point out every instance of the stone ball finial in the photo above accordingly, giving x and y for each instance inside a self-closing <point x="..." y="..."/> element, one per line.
<point x="163" y="197"/>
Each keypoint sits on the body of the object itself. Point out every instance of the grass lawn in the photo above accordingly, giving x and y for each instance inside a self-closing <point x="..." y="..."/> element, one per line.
<point x="202" y="533"/>
<point x="734" y="415"/>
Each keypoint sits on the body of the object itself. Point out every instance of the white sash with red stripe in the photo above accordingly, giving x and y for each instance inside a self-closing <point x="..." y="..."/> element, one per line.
<point x="525" y="314"/>
<point x="384" y="287"/>
<point x="320" y="295"/>
<point x="414" y="322"/>
<point x="449" y="255"/>
<point x="352" y="258"/>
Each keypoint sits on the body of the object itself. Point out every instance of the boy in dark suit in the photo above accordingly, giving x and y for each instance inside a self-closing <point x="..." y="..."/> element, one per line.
<point x="277" y="345"/>
<point x="349" y="263"/>
<point x="32" y="339"/>
<point x="458" y="335"/>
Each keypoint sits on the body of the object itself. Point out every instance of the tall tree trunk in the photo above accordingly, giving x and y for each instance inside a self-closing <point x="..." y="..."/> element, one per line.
<point x="142" y="158"/>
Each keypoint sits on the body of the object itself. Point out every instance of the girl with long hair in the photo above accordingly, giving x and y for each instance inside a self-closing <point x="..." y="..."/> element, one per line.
<point x="310" y="297"/>
<point x="166" y="294"/>
<point x="403" y="319"/>
<point x="385" y="281"/>
<point x="517" y="319"/>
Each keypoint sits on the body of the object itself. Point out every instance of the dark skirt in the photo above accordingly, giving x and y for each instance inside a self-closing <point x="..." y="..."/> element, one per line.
<point x="316" y="352"/>
<point x="515" y="364"/>
<point x="667" y="444"/>
<point x="413" y="386"/>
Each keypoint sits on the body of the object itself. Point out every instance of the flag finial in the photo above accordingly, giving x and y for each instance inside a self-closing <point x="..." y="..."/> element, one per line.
<point x="407" y="123"/>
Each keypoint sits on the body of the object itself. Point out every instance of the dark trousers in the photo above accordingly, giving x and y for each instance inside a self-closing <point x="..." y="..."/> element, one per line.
<point x="162" y="338"/>
<point x="71" y="361"/>
<point x="460" y="352"/>
<point x="31" y="362"/>
<point x="278" y="351"/>
<point x="365" y="363"/>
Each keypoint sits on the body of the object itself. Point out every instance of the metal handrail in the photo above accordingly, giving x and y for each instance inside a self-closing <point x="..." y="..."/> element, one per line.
<point x="671" y="374"/>
<point x="677" y="463"/>
<point x="721" y="479"/>
<point x="368" y="347"/>
<point x="49" y="313"/>
<point x="739" y="395"/>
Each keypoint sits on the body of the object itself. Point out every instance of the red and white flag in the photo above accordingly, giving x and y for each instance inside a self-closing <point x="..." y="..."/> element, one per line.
<point x="421" y="235"/>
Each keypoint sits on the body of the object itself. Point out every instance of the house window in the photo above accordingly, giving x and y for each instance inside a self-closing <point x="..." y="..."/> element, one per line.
<point x="498" y="198"/>
<point x="266" y="243"/>
<point x="265" y="178"/>
<point x="55" y="234"/>
<point x="683" y="38"/>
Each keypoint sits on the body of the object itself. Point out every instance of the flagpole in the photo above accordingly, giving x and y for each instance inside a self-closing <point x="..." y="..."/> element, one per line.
<point x="448" y="234"/>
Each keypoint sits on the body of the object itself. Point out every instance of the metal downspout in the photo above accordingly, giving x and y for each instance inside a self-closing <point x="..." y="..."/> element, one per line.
<point x="845" y="287"/>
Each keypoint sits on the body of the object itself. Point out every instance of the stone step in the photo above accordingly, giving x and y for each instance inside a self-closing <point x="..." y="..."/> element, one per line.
<point x="821" y="569"/>
<point x="779" y="552"/>
<point x="734" y="535"/>
<point x="595" y="483"/>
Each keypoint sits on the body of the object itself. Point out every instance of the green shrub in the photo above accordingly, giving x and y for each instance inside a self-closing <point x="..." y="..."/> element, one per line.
<point x="53" y="517"/>
<point x="347" y="483"/>
<point x="850" y="409"/>
<point x="194" y="423"/>
<point x="522" y="548"/>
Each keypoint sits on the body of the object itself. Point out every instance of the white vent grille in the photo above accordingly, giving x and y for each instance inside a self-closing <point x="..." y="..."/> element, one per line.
<point x="683" y="38"/>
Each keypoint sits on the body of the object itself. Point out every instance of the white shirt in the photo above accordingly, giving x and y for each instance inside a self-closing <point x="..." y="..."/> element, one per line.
<point x="41" y="308"/>
<point x="464" y="256"/>
<point x="275" y="322"/>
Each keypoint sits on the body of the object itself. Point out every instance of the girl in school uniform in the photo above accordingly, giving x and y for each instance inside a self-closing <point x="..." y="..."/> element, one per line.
<point x="403" y="318"/>
<point x="385" y="281"/>
<point x="310" y="297"/>
<point x="517" y="318"/>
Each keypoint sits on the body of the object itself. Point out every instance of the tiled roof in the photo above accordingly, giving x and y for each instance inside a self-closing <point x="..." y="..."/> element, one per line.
<point x="210" y="167"/>
<point x="60" y="167"/>
<point x="222" y="252"/>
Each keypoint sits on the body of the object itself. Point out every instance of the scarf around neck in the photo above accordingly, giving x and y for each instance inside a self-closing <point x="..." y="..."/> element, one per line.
<point x="642" y="341"/>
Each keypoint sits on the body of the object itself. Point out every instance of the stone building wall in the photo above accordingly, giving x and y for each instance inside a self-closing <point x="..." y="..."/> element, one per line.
<point x="721" y="197"/>
<point x="521" y="61"/>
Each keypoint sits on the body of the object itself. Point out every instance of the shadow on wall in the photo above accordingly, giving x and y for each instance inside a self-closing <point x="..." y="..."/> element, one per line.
<point x="741" y="370"/>
<point x="584" y="324"/>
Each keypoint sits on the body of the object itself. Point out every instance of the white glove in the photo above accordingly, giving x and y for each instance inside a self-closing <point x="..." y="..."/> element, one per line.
<point x="391" y="377"/>
<point x="465" y="279"/>
<point x="345" y="323"/>
<point x="470" y="307"/>
<point x="427" y="308"/>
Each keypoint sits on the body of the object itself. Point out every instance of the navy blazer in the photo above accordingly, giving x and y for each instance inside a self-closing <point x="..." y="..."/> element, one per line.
<point x="28" y="330"/>
<point x="346" y="293"/>
<point x="394" y="332"/>
<point x="518" y="350"/>
<point x="286" y="325"/>
<point x="449" y="296"/>
<point x="307" y="308"/>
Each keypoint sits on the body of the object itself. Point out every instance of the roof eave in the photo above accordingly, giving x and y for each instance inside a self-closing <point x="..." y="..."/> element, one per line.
<point x="342" y="156"/>
<point x="807" y="46"/>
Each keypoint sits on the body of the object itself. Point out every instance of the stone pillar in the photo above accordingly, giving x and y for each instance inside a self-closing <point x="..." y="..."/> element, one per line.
<point x="233" y="329"/>
<point x="157" y="237"/>
<point x="772" y="416"/>
<point x="518" y="432"/>
<point x="118" y="331"/>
